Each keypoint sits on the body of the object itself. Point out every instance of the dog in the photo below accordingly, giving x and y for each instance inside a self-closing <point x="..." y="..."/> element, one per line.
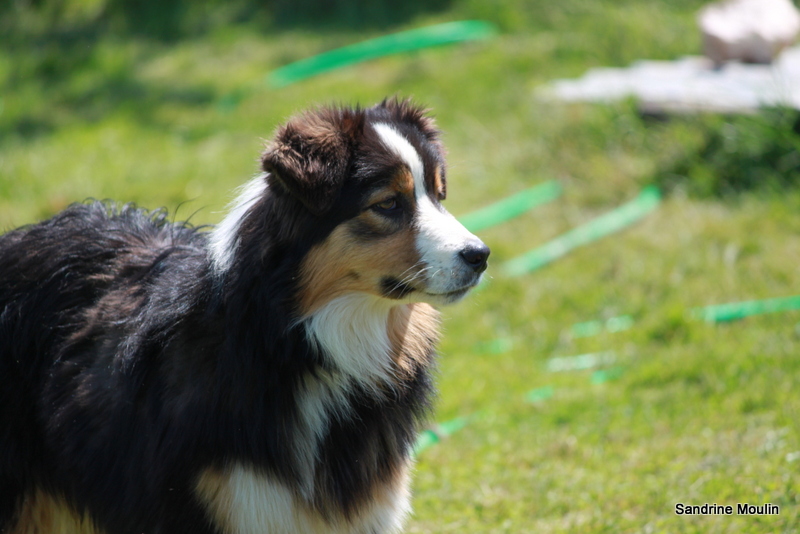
<point x="269" y="375"/>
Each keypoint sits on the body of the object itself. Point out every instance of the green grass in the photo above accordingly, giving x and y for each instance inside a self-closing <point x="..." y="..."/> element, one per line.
<point x="700" y="413"/>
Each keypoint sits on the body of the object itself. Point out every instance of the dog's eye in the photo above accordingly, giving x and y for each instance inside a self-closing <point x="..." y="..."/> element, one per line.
<point x="387" y="206"/>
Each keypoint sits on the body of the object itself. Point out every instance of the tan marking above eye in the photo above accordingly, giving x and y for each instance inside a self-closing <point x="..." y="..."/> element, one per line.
<point x="438" y="184"/>
<point x="404" y="182"/>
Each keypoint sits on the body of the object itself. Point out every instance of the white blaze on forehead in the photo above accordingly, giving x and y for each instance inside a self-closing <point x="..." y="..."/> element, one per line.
<point x="400" y="146"/>
<point x="440" y="237"/>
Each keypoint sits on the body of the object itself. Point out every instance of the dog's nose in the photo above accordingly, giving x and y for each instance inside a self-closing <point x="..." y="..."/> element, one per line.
<point x="475" y="255"/>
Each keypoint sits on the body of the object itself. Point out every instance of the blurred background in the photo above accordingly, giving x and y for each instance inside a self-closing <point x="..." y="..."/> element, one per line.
<point x="167" y="103"/>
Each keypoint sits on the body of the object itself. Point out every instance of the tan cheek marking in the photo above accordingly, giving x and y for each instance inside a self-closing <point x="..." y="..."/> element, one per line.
<point x="43" y="514"/>
<point x="343" y="264"/>
<point x="413" y="332"/>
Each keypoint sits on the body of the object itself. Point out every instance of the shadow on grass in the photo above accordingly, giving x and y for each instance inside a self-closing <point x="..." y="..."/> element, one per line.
<point x="169" y="20"/>
<point x="89" y="95"/>
<point x="738" y="154"/>
<point x="62" y="71"/>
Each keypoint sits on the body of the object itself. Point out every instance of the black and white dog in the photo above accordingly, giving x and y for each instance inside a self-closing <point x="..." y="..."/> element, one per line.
<point x="268" y="376"/>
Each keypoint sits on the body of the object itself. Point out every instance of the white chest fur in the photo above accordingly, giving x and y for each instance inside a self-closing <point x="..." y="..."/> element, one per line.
<point x="244" y="501"/>
<point x="352" y="331"/>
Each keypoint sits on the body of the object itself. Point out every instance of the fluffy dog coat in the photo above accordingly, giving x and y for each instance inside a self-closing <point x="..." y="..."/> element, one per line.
<point x="267" y="376"/>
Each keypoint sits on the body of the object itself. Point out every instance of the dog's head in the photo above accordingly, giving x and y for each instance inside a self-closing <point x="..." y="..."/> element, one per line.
<point x="373" y="181"/>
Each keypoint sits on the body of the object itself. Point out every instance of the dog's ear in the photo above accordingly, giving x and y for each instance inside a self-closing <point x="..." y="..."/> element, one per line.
<point x="310" y="156"/>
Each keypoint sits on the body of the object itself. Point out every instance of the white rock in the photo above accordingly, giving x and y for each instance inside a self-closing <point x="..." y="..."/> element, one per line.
<point x="689" y="84"/>
<point x="748" y="30"/>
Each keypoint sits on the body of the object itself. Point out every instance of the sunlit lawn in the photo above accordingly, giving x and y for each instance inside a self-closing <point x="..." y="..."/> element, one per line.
<point x="692" y="412"/>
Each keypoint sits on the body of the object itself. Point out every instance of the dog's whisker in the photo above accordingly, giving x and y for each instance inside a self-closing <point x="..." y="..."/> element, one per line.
<point x="412" y="276"/>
